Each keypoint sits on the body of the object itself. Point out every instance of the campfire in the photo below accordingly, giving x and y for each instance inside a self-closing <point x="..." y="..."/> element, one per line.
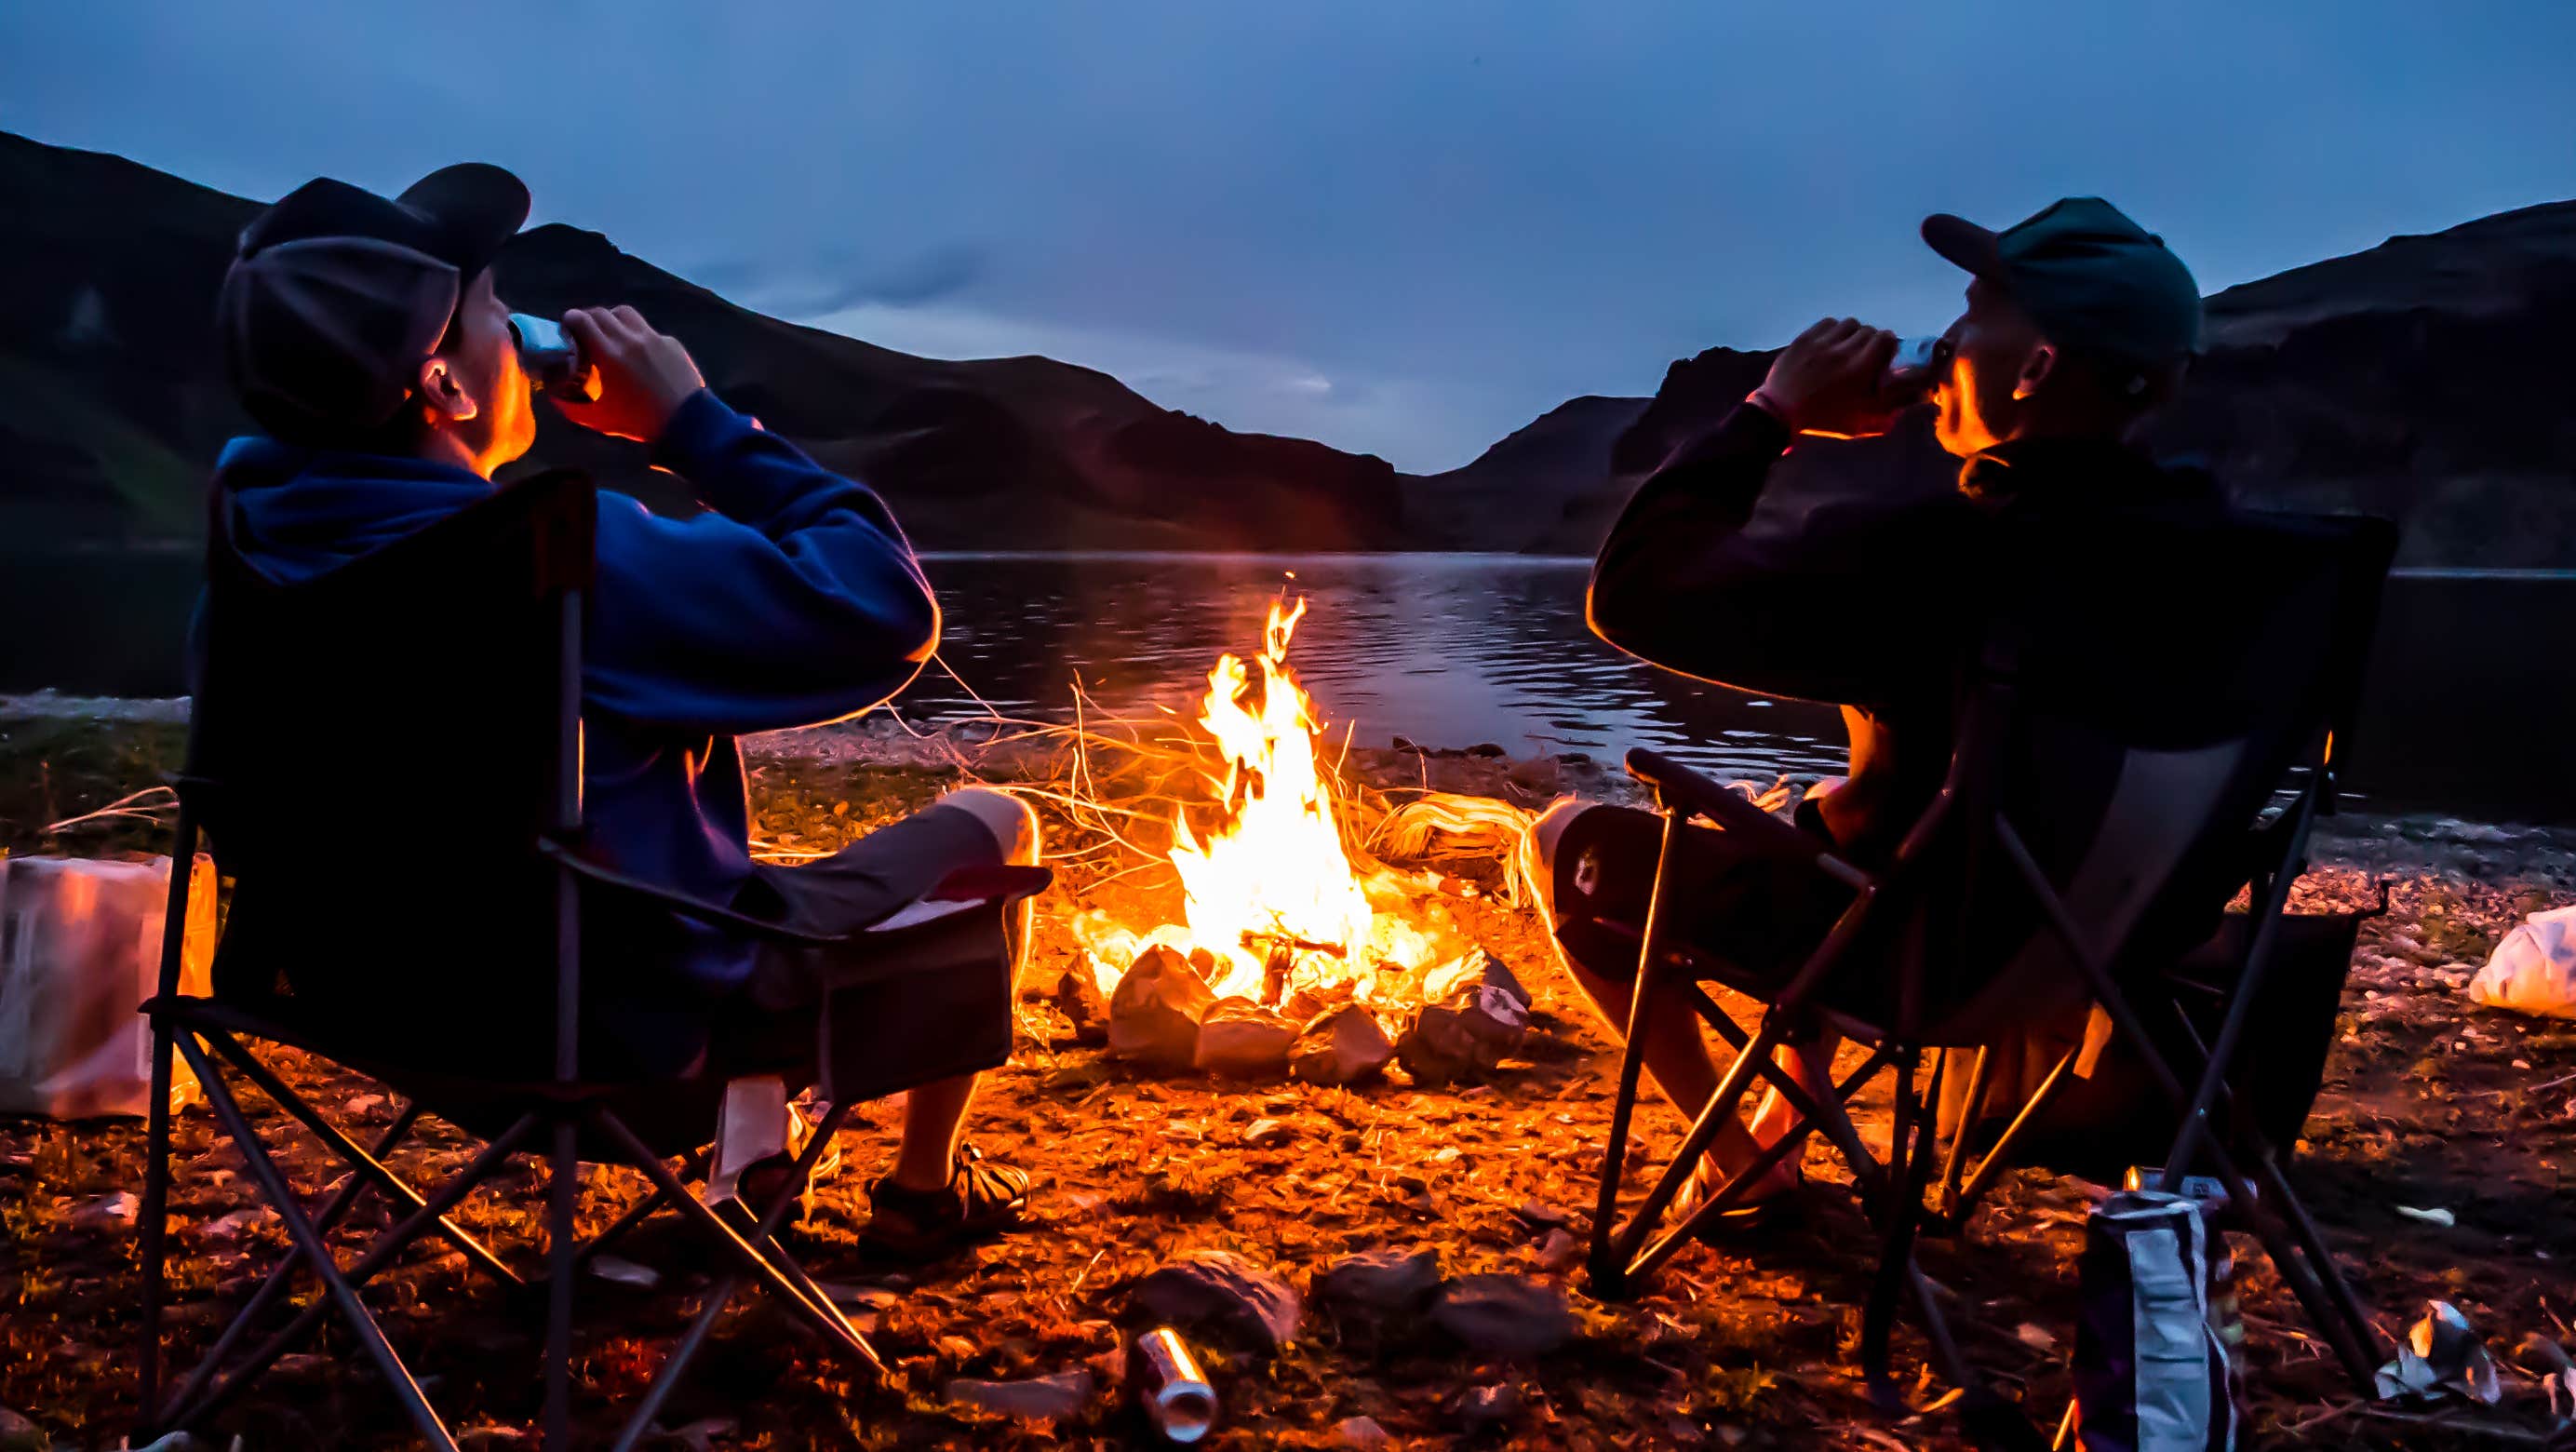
<point x="1296" y="949"/>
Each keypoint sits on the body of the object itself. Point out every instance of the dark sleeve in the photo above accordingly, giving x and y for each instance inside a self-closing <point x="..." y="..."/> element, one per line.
<point x="1841" y="602"/>
<point x="794" y="599"/>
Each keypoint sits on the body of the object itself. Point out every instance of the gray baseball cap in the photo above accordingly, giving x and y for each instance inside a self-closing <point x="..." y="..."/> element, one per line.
<point x="2091" y="278"/>
<point x="336" y="294"/>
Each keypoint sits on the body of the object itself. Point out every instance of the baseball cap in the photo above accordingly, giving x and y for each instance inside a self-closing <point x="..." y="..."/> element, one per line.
<point x="336" y="294"/>
<point x="2092" y="279"/>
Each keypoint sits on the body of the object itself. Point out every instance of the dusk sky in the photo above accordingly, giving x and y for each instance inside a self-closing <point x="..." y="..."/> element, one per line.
<point x="1406" y="226"/>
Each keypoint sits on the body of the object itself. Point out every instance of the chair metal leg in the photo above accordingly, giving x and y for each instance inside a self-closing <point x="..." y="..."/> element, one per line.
<point x="719" y="1295"/>
<point x="564" y="1194"/>
<point x="1957" y="1159"/>
<point x="1607" y="1261"/>
<point x="1959" y="1203"/>
<point x="155" y="1223"/>
<point x="282" y="1274"/>
<point x="378" y="1254"/>
<point x="282" y="1199"/>
<point x="358" y="1160"/>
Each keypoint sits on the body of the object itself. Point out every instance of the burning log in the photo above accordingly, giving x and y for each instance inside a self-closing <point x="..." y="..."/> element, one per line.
<point x="1154" y="1016"/>
<point x="1478" y="969"/>
<point x="1240" y="1037"/>
<point x="1341" y="1046"/>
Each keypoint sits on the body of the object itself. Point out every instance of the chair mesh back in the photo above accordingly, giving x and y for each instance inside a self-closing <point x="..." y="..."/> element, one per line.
<point x="375" y="750"/>
<point x="2160" y="692"/>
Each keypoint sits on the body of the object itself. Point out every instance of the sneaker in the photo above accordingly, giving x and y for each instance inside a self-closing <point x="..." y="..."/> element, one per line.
<point x="980" y="1200"/>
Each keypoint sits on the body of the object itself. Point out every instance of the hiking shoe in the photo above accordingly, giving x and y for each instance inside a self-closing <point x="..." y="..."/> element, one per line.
<point x="980" y="1200"/>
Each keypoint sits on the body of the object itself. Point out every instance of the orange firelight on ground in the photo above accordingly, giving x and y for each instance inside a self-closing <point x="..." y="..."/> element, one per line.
<point x="1271" y="891"/>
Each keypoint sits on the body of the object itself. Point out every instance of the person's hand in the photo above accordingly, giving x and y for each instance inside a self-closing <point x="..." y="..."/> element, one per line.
<point x="644" y="376"/>
<point x="1827" y="381"/>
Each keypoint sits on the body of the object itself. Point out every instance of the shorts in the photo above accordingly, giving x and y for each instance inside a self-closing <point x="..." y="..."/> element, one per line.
<point x="952" y="987"/>
<point x="1749" y="916"/>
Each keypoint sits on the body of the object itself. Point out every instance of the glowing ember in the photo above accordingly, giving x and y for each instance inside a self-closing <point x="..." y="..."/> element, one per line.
<point x="1272" y="893"/>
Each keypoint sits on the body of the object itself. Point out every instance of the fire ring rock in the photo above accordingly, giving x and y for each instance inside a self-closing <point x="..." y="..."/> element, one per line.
<point x="1478" y="969"/>
<point x="1154" y="1015"/>
<point x="1390" y="1281"/>
<point x="1342" y="1046"/>
<point x="1467" y="1033"/>
<point x="1077" y="996"/>
<point x="1205" y="1286"/>
<point x="1505" y="1315"/>
<point x="1238" y="1036"/>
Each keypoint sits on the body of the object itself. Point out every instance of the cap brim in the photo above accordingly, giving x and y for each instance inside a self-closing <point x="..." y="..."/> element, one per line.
<point x="478" y="205"/>
<point x="1965" y="244"/>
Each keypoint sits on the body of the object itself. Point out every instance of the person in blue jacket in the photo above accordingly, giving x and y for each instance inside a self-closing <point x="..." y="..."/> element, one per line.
<point x="365" y="337"/>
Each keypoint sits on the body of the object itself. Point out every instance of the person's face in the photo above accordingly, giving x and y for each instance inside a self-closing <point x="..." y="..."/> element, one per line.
<point x="1997" y="356"/>
<point x="483" y="395"/>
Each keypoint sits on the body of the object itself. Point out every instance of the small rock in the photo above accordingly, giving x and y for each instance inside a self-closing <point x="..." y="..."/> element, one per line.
<point x="109" y="1212"/>
<point x="230" y="1227"/>
<point x="1040" y="1399"/>
<point x="17" y="1434"/>
<point x="1154" y="1016"/>
<point x="1077" y="996"/>
<point x="1215" y="1286"/>
<point x="1487" y="749"/>
<point x="1477" y="969"/>
<point x="1239" y="1037"/>
<point x="1479" y="1407"/>
<point x="1504" y="1315"/>
<point x="1359" y="1432"/>
<point x="361" y="1103"/>
<point x="1264" y="1132"/>
<point x="701" y="1435"/>
<point x="1562" y="1248"/>
<point x="624" y="1272"/>
<point x="1541" y="1214"/>
<point x="1381" y="1280"/>
<point x="1077" y="1076"/>
<point x="958" y="1348"/>
<point x="1466" y="1034"/>
<point x="1344" y="1046"/>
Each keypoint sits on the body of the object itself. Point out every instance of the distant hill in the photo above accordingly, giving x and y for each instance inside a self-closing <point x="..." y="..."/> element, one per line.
<point x="2426" y="378"/>
<point x="112" y="400"/>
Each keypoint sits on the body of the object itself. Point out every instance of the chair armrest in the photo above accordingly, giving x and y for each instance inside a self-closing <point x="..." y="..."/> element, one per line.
<point x="679" y="902"/>
<point x="1686" y="791"/>
<point x="975" y="885"/>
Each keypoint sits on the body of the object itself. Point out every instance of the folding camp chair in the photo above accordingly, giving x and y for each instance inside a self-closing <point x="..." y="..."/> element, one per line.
<point x="432" y="689"/>
<point x="2123" y="744"/>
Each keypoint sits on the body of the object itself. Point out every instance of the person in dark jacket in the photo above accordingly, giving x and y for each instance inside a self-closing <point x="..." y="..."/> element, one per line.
<point x="365" y="336"/>
<point x="2078" y="324"/>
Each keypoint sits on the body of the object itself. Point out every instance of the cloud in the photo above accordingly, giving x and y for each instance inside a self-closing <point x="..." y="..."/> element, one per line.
<point x="837" y="281"/>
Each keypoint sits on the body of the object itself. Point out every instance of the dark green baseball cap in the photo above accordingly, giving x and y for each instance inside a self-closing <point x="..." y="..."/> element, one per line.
<point x="2092" y="279"/>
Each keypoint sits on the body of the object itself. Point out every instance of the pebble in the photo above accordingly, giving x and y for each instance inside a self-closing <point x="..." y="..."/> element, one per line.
<point x="1359" y="1432"/>
<point x="1219" y="1286"/>
<point x="1042" y="1399"/>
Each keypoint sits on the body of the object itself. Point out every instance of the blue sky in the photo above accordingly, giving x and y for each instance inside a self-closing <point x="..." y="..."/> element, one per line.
<point x="1407" y="226"/>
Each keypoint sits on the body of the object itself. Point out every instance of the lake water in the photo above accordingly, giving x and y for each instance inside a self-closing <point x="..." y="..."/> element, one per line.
<point x="2469" y="704"/>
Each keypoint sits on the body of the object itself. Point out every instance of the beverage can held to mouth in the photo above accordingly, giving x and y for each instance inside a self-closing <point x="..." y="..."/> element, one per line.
<point x="1171" y="1391"/>
<point x="1917" y="366"/>
<point x="552" y="360"/>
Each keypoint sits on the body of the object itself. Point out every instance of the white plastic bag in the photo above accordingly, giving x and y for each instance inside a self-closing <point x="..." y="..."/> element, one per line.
<point x="2534" y="968"/>
<point x="80" y="949"/>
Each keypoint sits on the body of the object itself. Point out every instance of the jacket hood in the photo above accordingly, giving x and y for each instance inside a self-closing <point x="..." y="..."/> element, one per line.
<point x="297" y="512"/>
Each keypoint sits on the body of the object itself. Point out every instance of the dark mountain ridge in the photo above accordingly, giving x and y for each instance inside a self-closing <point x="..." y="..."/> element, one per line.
<point x="2424" y="378"/>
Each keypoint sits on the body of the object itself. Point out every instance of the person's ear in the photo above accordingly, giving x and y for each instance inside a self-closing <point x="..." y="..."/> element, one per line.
<point x="2035" y="370"/>
<point x="444" y="394"/>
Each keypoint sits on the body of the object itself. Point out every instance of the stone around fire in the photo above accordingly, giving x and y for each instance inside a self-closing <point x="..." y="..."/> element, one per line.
<point x="1342" y="1046"/>
<point x="1239" y="1037"/>
<point x="1154" y="1014"/>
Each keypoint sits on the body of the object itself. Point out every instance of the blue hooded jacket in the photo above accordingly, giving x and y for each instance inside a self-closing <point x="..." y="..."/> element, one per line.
<point x="795" y="600"/>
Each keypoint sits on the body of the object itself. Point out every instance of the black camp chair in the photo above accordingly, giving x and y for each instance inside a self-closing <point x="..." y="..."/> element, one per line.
<point x="435" y="685"/>
<point x="2123" y="753"/>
